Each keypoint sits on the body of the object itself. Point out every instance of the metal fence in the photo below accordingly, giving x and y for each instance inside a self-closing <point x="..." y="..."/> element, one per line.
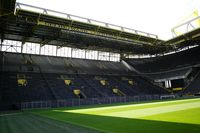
<point x="99" y="101"/>
<point x="88" y="101"/>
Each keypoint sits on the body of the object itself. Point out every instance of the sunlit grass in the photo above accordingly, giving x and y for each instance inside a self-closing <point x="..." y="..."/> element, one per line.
<point x="169" y="116"/>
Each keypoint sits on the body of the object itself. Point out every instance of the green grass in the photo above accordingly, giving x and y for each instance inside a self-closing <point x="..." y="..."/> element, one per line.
<point x="178" y="116"/>
<point x="30" y="123"/>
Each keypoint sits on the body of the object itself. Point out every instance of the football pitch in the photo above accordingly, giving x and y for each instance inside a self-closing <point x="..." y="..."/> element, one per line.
<point x="177" y="116"/>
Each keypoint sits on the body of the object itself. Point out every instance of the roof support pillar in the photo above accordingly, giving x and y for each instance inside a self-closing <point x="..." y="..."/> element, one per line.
<point x="2" y="39"/>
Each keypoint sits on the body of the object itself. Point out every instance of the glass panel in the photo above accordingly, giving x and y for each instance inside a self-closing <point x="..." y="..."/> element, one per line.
<point x="103" y="56"/>
<point x="64" y="52"/>
<point x="90" y="54"/>
<point x="31" y="48"/>
<point x="78" y="53"/>
<point x="48" y="50"/>
<point x="11" y="46"/>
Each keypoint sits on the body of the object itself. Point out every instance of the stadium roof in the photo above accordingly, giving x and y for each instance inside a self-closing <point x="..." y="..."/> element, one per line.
<point x="44" y="28"/>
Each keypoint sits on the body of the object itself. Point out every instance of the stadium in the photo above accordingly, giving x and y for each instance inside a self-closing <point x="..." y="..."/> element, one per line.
<point x="65" y="73"/>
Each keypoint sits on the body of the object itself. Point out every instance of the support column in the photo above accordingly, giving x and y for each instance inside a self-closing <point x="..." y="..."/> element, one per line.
<point x="22" y="47"/>
<point x="97" y="55"/>
<point x="1" y="45"/>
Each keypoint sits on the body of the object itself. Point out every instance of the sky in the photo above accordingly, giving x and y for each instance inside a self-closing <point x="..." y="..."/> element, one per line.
<point x="152" y="16"/>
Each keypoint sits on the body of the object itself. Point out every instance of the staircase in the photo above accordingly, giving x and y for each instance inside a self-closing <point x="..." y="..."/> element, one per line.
<point x="48" y="84"/>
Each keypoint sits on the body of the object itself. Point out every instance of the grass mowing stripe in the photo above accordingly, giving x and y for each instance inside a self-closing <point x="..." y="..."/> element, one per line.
<point x="153" y="111"/>
<point x="49" y="122"/>
<point x="10" y="114"/>
<point x="70" y="127"/>
<point x="73" y="123"/>
<point x="105" y="110"/>
<point x="119" y="124"/>
<point x="29" y="123"/>
<point x="122" y="125"/>
<point x="184" y="116"/>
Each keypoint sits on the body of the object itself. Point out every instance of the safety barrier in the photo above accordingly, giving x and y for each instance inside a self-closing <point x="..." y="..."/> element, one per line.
<point x="87" y="101"/>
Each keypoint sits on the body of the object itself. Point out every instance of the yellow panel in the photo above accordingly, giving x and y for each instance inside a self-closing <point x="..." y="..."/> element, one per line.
<point x="131" y="82"/>
<point x="103" y="82"/>
<point x="77" y="92"/>
<point x="196" y="14"/>
<point x="67" y="82"/>
<point x="177" y="89"/>
<point x="115" y="90"/>
<point x="21" y="82"/>
<point x="195" y="23"/>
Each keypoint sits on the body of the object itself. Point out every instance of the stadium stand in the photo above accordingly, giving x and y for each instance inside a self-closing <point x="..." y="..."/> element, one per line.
<point x="193" y="87"/>
<point x="183" y="72"/>
<point x="168" y="62"/>
<point x="27" y="78"/>
<point x="176" y="68"/>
